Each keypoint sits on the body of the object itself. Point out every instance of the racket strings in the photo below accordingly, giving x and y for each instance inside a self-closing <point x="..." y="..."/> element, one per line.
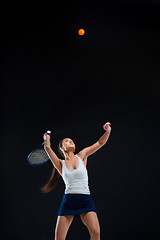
<point x="38" y="156"/>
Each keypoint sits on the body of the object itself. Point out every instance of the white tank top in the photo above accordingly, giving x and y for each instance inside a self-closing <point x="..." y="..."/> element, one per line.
<point x="76" y="180"/>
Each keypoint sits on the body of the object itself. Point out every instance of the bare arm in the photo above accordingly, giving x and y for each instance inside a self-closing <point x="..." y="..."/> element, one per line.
<point x="101" y="142"/>
<point x="53" y="157"/>
<point x="104" y="138"/>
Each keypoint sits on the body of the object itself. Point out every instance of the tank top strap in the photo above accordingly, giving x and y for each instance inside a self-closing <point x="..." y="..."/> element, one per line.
<point x="63" y="167"/>
<point x="63" y="163"/>
<point x="79" y="158"/>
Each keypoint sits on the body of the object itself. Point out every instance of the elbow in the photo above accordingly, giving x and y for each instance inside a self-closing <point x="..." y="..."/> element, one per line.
<point x="101" y="143"/>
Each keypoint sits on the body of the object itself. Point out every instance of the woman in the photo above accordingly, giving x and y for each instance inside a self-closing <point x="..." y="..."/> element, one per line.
<point x="77" y="200"/>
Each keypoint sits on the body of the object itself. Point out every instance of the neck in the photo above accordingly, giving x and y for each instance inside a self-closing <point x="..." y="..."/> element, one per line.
<point x="69" y="155"/>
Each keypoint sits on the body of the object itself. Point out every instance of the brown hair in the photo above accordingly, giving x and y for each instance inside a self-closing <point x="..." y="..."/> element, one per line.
<point x="50" y="185"/>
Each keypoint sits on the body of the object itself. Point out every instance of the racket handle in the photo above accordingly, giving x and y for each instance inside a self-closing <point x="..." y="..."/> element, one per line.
<point x="49" y="133"/>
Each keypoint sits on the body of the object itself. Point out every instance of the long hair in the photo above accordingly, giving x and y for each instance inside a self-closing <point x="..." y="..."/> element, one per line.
<point x="50" y="185"/>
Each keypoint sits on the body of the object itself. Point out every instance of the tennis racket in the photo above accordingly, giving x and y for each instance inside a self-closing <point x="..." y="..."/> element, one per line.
<point x="38" y="156"/>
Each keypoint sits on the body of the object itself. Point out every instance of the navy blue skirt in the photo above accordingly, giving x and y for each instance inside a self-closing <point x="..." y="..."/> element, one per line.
<point x="74" y="204"/>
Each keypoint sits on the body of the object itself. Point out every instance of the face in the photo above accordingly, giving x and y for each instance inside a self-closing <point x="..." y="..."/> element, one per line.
<point x="68" y="144"/>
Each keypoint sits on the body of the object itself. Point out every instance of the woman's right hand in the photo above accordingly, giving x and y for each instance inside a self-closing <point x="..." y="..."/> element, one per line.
<point x="46" y="138"/>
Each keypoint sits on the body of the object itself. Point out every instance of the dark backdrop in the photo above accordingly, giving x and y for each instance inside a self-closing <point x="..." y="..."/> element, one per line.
<point x="52" y="78"/>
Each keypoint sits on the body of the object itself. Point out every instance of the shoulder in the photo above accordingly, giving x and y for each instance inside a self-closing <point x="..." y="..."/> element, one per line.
<point x="82" y="156"/>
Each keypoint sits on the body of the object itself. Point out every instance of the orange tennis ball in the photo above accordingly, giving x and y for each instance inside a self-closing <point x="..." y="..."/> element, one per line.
<point x="81" y="32"/>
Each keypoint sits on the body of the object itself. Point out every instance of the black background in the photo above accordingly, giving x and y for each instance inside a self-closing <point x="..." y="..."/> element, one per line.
<point x="52" y="78"/>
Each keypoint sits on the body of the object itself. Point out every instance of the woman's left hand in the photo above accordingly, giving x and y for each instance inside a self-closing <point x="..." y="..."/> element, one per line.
<point x="107" y="127"/>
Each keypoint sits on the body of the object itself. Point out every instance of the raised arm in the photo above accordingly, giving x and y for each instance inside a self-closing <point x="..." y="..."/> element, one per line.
<point x="53" y="157"/>
<point x="101" y="142"/>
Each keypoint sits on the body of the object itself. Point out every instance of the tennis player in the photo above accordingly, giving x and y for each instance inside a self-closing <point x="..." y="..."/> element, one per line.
<point x="77" y="200"/>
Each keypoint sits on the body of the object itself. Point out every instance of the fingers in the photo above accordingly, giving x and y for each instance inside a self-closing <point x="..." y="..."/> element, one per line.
<point x="108" y="123"/>
<point x="45" y="136"/>
<point x="106" y="126"/>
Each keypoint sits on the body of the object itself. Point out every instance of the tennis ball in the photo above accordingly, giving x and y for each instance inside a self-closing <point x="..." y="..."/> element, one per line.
<point x="81" y="32"/>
